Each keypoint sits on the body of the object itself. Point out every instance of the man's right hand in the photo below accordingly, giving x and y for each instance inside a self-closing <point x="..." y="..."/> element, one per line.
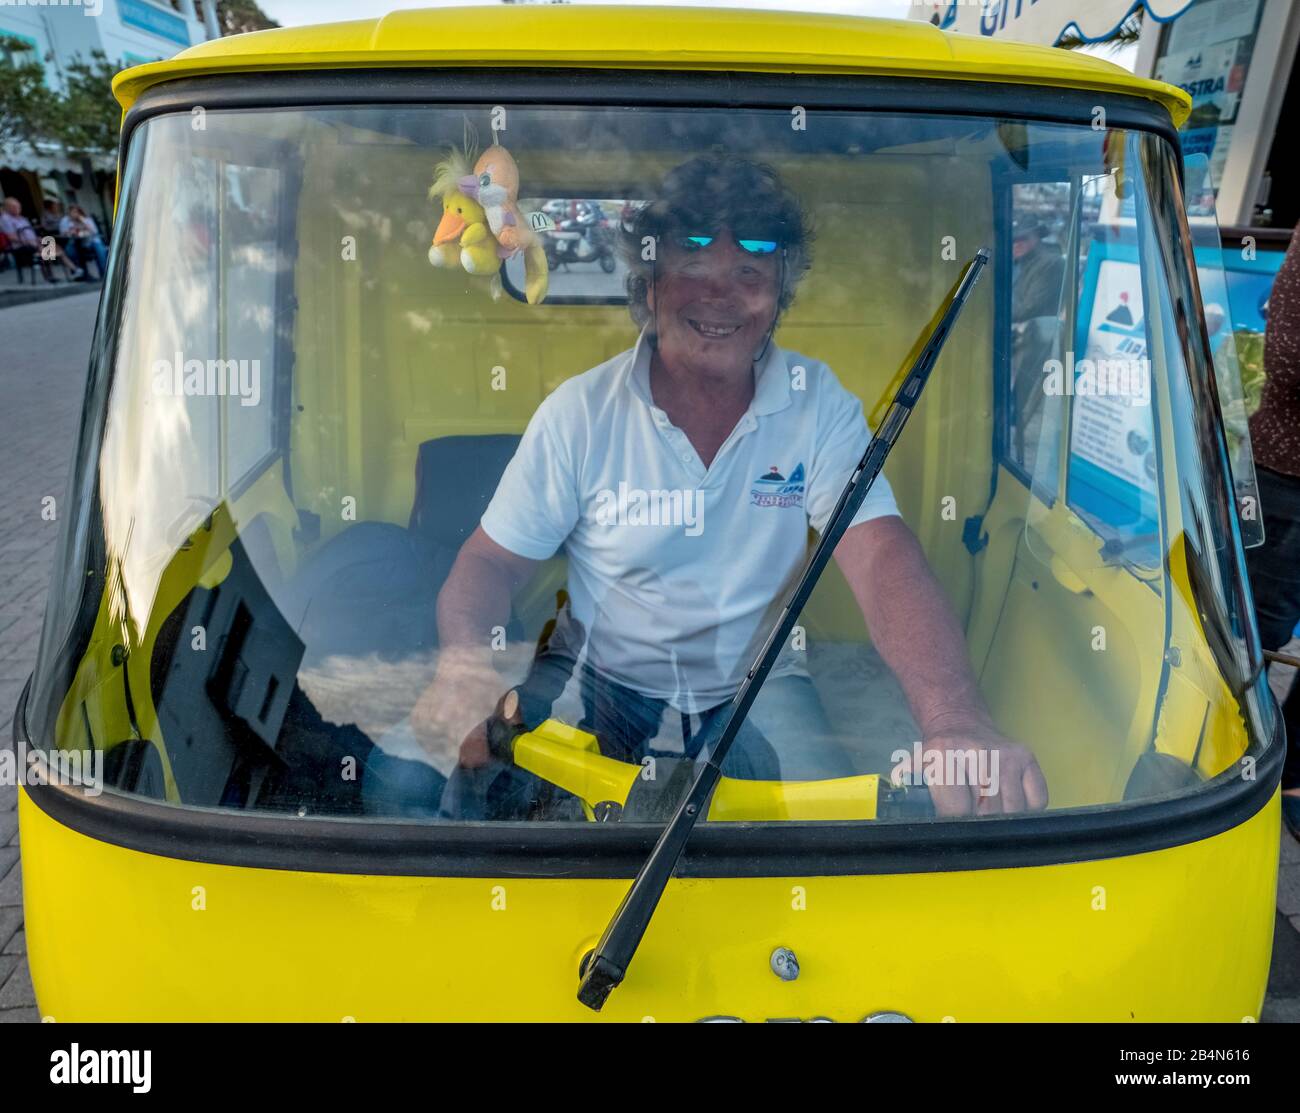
<point x="448" y="718"/>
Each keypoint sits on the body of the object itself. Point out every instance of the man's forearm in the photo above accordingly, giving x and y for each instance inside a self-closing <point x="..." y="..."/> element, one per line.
<point x="912" y="625"/>
<point x="474" y="600"/>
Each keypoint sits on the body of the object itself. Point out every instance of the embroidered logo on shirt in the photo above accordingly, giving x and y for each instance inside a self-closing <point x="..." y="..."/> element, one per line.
<point x="774" y="489"/>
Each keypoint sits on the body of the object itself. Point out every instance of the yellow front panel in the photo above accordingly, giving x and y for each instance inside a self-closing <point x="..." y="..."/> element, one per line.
<point x="1178" y="934"/>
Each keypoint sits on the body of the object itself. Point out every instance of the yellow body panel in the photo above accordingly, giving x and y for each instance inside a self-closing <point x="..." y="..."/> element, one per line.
<point x="597" y="36"/>
<point x="1178" y="934"/>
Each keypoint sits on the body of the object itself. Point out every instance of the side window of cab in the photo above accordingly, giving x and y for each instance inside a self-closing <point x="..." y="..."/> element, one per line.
<point x="1077" y="420"/>
<point x="252" y="314"/>
<point x="1036" y="321"/>
<point x="1112" y="480"/>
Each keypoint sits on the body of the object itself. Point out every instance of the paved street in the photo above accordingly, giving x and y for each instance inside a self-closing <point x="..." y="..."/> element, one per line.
<point x="43" y="354"/>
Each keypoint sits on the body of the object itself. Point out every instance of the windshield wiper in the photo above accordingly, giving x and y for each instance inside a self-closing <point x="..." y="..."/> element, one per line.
<point x="605" y="967"/>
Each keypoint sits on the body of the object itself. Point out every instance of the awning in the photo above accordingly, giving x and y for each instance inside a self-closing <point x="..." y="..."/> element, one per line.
<point x="42" y="164"/>
<point x="1043" y="21"/>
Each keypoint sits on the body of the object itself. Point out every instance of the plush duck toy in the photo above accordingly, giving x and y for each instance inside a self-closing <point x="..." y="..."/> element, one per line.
<point x="498" y="191"/>
<point x="462" y="235"/>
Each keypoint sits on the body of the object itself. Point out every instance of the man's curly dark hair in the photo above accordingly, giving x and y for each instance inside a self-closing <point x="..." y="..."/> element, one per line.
<point x="710" y="192"/>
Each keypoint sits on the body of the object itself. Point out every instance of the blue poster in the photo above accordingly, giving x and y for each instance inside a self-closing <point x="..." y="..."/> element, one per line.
<point x="155" y="20"/>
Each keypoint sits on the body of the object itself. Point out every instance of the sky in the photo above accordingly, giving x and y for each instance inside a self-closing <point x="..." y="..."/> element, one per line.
<point x="295" y="13"/>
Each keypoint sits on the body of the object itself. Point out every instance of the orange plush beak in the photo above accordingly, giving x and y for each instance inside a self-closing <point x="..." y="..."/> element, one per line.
<point x="449" y="228"/>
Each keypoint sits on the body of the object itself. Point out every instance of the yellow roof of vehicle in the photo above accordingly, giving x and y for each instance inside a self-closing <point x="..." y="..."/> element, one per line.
<point x="649" y="38"/>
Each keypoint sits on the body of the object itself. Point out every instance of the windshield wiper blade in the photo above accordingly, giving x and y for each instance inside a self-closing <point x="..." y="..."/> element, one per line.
<point x="604" y="968"/>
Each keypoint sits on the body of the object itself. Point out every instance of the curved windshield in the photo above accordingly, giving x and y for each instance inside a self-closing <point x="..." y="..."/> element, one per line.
<point x="454" y="463"/>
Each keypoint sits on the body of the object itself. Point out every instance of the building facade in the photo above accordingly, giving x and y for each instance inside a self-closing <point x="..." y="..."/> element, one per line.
<point x="128" y="32"/>
<point x="1235" y="58"/>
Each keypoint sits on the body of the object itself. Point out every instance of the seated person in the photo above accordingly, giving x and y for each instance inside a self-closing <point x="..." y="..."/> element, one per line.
<point x="55" y="241"/>
<point x="84" y="240"/>
<point x="706" y="416"/>
<point x="23" y="238"/>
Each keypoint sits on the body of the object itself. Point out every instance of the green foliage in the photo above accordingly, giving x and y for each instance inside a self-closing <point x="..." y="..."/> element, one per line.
<point x="1250" y="355"/>
<point x="88" y="117"/>
<point x="1237" y="411"/>
<point x="27" y="105"/>
<point x="234" y="17"/>
<point x="83" y="118"/>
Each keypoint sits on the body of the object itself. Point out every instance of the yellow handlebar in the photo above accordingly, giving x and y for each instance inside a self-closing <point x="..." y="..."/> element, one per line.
<point x="571" y="759"/>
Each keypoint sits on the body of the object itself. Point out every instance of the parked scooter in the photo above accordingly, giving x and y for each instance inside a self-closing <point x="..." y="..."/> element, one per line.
<point x="580" y="237"/>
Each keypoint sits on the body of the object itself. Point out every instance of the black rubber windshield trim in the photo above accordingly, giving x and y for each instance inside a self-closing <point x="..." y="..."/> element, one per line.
<point x="590" y="850"/>
<point x="642" y="88"/>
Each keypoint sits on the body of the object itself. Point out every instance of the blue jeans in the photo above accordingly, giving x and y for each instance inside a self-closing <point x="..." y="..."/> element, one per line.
<point x="786" y="736"/>
<point x="396" y="787"/>
<point x="82" y="250"/>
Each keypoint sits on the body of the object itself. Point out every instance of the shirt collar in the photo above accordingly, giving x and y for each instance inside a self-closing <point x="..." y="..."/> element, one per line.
<point x="771" y="377"/>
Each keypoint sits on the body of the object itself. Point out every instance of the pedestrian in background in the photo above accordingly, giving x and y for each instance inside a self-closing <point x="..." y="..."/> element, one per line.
<point x="1275" y="566"/>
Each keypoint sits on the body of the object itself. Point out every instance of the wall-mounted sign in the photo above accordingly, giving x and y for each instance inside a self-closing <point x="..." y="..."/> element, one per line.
<point x="1041" y="21"/>
<point x="157" y="21"/>
<point x="1112" y="476"/>
<point x="1207" y="52"/>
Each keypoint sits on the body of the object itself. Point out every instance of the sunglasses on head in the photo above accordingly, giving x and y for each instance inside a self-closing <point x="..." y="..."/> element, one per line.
<point x="751" y="246"/>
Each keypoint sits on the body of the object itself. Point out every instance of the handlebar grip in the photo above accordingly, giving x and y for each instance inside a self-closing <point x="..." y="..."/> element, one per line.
<point x="504" y="725"/>
<point x="906" y="802"/>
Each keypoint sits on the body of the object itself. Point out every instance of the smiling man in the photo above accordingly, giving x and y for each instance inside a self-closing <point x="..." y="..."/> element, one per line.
<point x="680" y="479"/>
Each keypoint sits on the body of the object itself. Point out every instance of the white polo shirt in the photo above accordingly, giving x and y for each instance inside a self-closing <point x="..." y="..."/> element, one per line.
<point x="676" y="570"/>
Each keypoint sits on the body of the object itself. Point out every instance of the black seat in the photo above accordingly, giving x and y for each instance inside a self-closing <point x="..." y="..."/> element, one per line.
<point x="373" y="588"/>
<point x="455" y="478"/>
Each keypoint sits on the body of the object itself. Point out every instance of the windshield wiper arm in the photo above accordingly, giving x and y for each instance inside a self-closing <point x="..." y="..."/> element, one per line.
<point x="603" y="969"/>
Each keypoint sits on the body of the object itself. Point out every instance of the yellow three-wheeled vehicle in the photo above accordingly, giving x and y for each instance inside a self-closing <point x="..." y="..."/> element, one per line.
<point x="389" y="299"/>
